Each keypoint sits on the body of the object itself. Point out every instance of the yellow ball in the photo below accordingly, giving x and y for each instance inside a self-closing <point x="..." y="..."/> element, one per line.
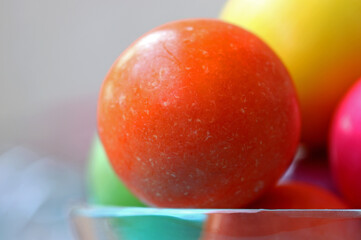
<point x="320" y="43"/>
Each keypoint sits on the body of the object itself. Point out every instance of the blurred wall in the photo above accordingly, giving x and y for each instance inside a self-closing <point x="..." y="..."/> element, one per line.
<point x="54" y="56"/>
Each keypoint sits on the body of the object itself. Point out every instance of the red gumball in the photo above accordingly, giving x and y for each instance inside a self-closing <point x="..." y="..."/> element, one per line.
<point x="285" y="225"/>
<point x="345" y="146"/>
<point x="296" y="195"/>
<point x="199" y="113"/>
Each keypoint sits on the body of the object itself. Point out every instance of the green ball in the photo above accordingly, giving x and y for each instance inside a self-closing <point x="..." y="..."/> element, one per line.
<point x="104" y="186"/>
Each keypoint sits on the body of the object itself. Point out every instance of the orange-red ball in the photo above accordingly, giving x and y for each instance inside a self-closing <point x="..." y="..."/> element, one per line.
<point x="199" y="113"/>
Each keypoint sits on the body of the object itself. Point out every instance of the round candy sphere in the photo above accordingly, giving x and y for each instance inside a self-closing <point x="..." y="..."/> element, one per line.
<point x="104" y="186"/>
<point x="345" y="146"/>
<point x="319" y="42"/>
<point x="199" y="113"/>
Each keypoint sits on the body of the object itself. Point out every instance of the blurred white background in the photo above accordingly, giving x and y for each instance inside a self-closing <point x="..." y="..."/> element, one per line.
<point x="53" y="58"/>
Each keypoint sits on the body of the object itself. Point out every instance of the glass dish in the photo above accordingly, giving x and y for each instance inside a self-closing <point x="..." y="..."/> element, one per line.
<point x="113" y="223"/>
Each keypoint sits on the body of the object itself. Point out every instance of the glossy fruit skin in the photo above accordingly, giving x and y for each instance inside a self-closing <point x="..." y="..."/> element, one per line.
<point x="103" y="185"/>
<point x="279" y="225"/>
<point x="345" y="146"/>
<point x="319" y="42"/>
<point x="199" y="113"/>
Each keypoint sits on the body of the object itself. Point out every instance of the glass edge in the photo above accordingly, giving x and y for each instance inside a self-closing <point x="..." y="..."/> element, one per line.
<point x="98" y="211"/>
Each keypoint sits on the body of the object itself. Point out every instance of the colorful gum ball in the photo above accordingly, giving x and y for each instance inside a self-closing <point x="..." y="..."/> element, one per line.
<point x="285" y="224"/>
<point x="319" y="42"/>
<point x="199" y="113"/>
<point x="345" y="146"/>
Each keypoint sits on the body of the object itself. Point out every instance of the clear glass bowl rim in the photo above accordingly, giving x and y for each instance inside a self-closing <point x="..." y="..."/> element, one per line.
<point x="96" y="211"/>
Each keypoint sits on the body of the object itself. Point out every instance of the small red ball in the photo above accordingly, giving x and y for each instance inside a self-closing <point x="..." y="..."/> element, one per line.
<point x="285" y="225"/>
